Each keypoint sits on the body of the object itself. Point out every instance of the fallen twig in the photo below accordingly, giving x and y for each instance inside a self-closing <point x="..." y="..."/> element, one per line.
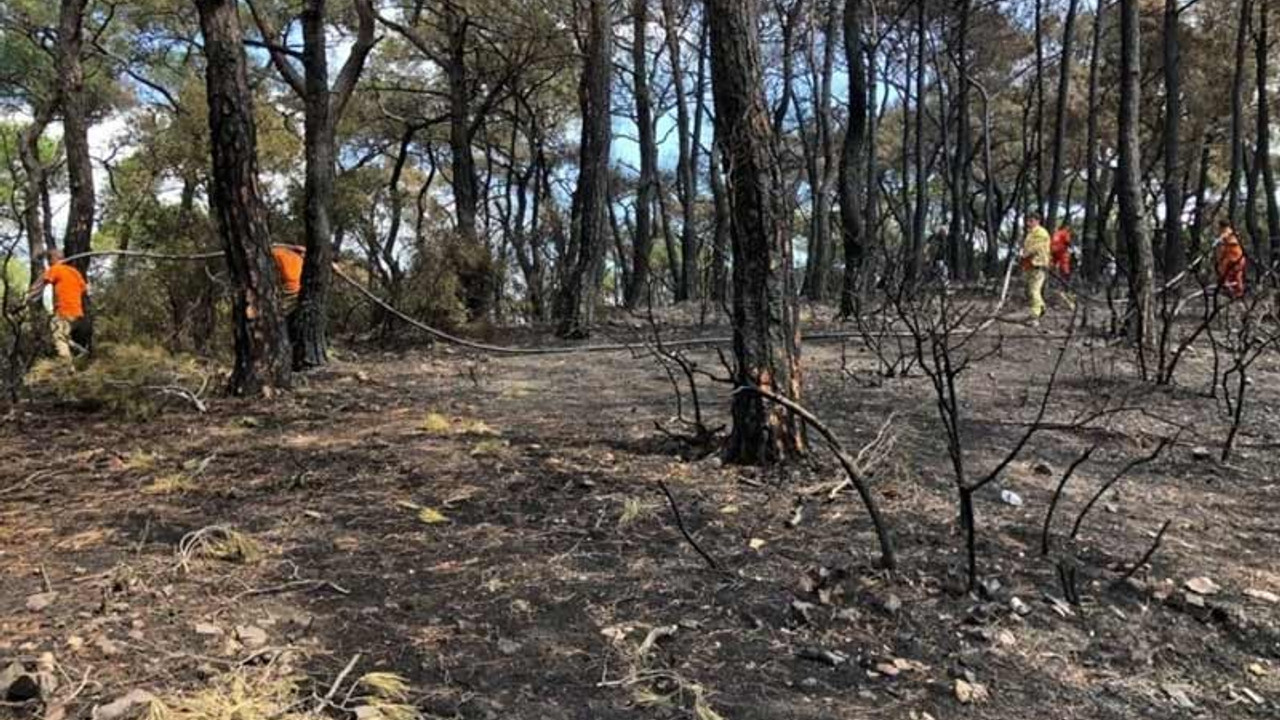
<point x="850" y="465"/>
<point x="1146" y="557"/>
<point x="337" y="683"/>
<point x="675" y="511"/>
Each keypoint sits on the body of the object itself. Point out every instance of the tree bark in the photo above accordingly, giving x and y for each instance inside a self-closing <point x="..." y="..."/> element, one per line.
<point x="638" y="289"/>
<point x="922" y="191"/>
<point x="766" y="332"/>
<point x="262" y="362"/>
<point x="1092" y="242"/>
<point x="1132" y="210"/>
<point x="35" y="188"/>
<point x="1264" y="138"/>
<point x="818" y="270"/>
<point x="721" y="229"/>
<point x="852" y="159"/>
<point x="1175" y="255"/>
<point x="1060" y="113"/>
<point x="590" y="222"/>
<point x="1237" y="111"/>
<point x="75" y="130"/>
<point x="961" y="241"/>
<point x="686" y="164"/>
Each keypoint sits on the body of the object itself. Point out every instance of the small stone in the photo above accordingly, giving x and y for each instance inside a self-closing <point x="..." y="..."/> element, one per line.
<point x="40" y="601"/>
<point x="892" y="605"/>
<point x="130" y="704"/>
<point x="1006" y="638"/>
<point x="989" y="588"/>
<point x="1194" y="600"/>
<point x="803" y="611"/>
<point x="1019" y="607"/>
<point x="1258" y="669"/>
<point x="1203" y="586"/>
<point x="971" y="693"/>
<point x="9" y="676"/>
<point x="74" y="643"/>
<point x="1179" y="695"/>
<point x="204" y="628"/>
<point x="107" y="647"/>
<point x="1263" y="595"/>
<point x="251" y="636"/>
<point x="1011" y="498"/>
<point x="888" y="669"/>
<point x="508" y="647"/>
<point x="809" y="683"/>
<point x="1201" y="454"/>
<point x="25" y="687"/>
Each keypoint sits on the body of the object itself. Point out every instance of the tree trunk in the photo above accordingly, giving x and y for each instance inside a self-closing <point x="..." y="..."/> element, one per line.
<point x="1237" y="111"/>
<point x="1175" y="256"/>
<point x="720" y="238"/>
<point x="818" y="271"/>
<point x="590" y="222"/>
<point x="921" y="179"/>
<point x="852" y="159"/>
<point x="638" y="288"/>
<point x="34" y="189"/>
<point x="1092" y="243"/>
<point x="470" y="257"/>
<point x="1060" y="113"/>
<point x="766" y="332"/>
<point x="1264" y="137"/>
<point x="686" y="168"/>
<point x="961" y="242"/>
<point x="75" y="127"/>
<point x="1132" y="210"/>
<point x="1038" y="147"/>
<point x="262" y="362"/>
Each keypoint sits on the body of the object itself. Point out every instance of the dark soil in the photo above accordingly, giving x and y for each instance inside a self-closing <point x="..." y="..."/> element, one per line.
<point x="559" y="553"/>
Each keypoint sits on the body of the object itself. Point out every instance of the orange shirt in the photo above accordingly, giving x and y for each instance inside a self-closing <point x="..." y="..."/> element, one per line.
<point x="289" y="265"/>
<point x="1230" y="254"/>
<point x="68" y="290"/>
<point x="1061" y="242"/>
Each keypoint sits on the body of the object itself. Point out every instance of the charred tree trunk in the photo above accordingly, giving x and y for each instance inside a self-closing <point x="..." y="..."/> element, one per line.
<point x="686" y="167"/>
<point x="1091" y="245"/>
<point x="853" y="158"/>
<point x="590" y="222"/>
<point x="638" y="288"/>
<point x="766" y="332"/>
<point x="721" y="228"/>
<point x="262" y="361"/>
<point x="1237" y="111"/>
<point x="922" y="192"/>
<point x="1060" y="113"/>
<point x="961" y="242"/>
<point x="818" y="270"/>
<point x="1129" y="183"/>
<point x="1264" y="137"/>
<point x="75" y="130"/>
<point x="1175" y="255"/>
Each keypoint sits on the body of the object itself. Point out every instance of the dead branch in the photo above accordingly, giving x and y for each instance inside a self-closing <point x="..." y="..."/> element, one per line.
<point x="850" y="465"/>
<point x="1133" y="465"/>
<point x="1057" y="495"/>
<point x="675" y="511"/>
<point x="1146" y="557"/>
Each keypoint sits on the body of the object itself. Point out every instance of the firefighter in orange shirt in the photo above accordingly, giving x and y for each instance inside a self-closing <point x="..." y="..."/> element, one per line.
<point x="71" y="327"/>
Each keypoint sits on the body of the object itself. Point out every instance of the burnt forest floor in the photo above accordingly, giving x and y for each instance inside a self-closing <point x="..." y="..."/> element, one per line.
<point x="493" y="530"/>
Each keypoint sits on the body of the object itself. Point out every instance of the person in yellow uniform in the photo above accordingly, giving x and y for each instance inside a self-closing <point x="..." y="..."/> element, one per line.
<point x="1036" y="257"/>
<point x="72" y="330"/>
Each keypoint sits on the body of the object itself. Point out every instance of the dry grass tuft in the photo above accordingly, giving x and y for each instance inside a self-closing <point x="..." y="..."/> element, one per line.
<point x="219" y="542"/>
